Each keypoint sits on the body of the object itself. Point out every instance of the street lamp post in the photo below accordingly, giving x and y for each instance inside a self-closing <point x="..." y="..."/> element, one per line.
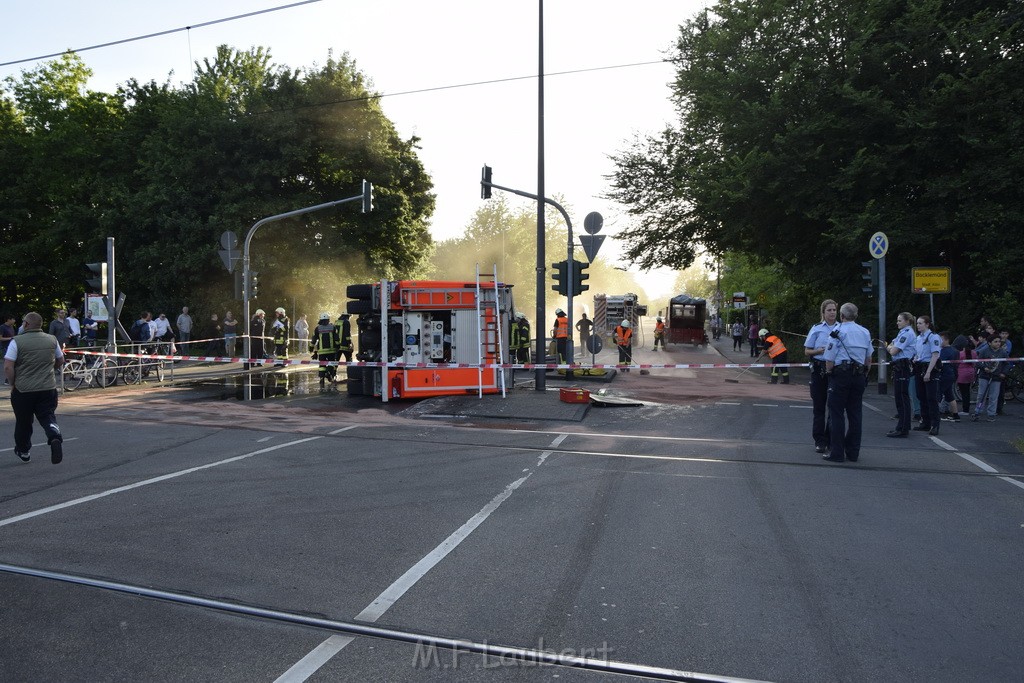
<point x="366" y="198"/>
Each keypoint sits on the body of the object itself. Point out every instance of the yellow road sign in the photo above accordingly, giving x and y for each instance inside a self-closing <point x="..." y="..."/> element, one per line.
<point x="930" y="280"/>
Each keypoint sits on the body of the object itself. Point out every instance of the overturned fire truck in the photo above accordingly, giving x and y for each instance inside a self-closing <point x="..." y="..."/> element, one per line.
<point x="412" y="325"/>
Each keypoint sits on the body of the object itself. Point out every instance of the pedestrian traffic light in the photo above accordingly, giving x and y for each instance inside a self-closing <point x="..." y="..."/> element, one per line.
<point x="97" y="284"/>
<point x="485" y="182"/>
<point x="578" y="276"/>
<point x="870" y="276"/>
<point x="253" y="284"/>
<point x="561" y="277"/>
<point x="367" y="196"/>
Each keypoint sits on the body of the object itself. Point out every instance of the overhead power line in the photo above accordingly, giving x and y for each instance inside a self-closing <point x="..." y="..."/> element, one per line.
<point x="161" y="33"/>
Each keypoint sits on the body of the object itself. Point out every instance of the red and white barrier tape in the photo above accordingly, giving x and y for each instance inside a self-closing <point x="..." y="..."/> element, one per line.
<point x="507" y="366"/>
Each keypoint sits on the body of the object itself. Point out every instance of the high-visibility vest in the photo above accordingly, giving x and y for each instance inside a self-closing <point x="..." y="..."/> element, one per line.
<point x="623" y="335"/>
<point x="561" y="327"/>
<point x="659" y="330"/>
<point x="345" y="338"/>
<point x="775" y="345"/>
<point x="281" y="331"/>
<point x="325" y="339"/>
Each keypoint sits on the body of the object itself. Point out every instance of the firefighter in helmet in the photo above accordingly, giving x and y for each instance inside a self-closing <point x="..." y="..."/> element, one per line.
<point x="280" y="333"/>
<point x="659" y="333"/>
<point x="521" y="338"/>
<point x="624" y="341"/>
<point x="561" y="334"/>
<point x="345" y="335"/>
<point x="326" y="346"/>
<point x="776" y="350"/>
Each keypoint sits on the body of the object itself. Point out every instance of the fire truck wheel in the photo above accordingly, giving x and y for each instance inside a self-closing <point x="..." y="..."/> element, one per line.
<point x="355" y="387"/>
<point x="359" y="292"/>
<point x="356" y="307"/>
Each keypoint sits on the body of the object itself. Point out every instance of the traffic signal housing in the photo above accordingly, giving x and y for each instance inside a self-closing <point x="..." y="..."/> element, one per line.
<point x="561" y="277"/>
<point x="254" y="283"/>
<point x="870" y="277"/>
<point x="579" y="274"/>
<point x="485" y="182"/>
<point x="367" y="196"/>
<point x="97" y="284"/>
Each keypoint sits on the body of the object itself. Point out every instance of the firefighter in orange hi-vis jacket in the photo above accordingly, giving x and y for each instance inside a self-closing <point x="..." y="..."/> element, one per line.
<point x="776" y="350"/>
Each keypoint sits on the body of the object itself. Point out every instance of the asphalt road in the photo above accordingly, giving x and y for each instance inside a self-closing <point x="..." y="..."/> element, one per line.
<point x="693" y="534"/>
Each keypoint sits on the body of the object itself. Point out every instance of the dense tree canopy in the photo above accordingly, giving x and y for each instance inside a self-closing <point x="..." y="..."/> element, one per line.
<point x="165" y="170"/>
<point x="806" y="127"/>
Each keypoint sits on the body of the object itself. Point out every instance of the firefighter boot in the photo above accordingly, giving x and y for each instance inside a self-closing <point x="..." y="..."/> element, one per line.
<point x="785" y="378"/>
<point x="774" y="379"/>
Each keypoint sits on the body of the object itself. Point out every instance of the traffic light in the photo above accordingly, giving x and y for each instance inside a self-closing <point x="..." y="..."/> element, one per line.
<point x="485" y="182"/>
<point x="367" y="196"/>
<point x="870" y="276"/>
<point x="561" y="277"/>
<point x="578" y="276"/>
<point x="254" y="283"/>
<point x="97" y="284"/>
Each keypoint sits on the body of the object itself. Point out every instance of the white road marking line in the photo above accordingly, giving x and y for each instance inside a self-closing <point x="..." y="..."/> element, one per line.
<point x="323" y="652"/>
<point x="147" y="482"/>
<point x="767" y="405"/>
<point x="980" y="464"/>
<point x="266" y="438"/>
<point x="343" y="429"/>
<point x="726" y="403"/>
<point x="805" y="407"/>
<point x="871" y="407"/>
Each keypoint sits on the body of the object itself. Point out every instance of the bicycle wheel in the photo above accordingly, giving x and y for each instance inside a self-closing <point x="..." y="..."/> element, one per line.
<point x="131" y="373"/>
<point x="160" y="371"/>
<point x="74" y="374"/>
<point x="105" y="372"/>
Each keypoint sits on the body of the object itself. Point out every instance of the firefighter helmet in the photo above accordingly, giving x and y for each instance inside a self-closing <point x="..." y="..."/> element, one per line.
<point x="259" y="311"/>
<point x="625" y="323"/>
<point x="763" y="333"/>
<point x="520" y="315"/>
<point x="279" y="310"/>
<point x="658" y="318"/>
<point x="325" y="315"/>
<point x="559" y="311"/>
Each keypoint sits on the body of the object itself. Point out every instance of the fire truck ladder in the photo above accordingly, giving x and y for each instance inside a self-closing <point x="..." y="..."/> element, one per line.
<point x="489" y="336"/>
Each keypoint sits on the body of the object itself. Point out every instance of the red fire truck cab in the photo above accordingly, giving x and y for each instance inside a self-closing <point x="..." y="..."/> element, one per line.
<point x="414" y="323"/>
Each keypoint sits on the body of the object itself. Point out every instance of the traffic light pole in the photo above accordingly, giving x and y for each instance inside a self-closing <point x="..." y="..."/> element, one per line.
<point x="541" y="351"/>
<point x="366" y="197"/>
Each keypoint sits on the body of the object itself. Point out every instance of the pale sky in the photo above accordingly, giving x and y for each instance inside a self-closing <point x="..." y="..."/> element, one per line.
<point x="409" y="45"/>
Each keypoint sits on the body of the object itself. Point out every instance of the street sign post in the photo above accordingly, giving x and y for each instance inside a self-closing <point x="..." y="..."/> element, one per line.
<point x="878" y="247"/>
<point x="930" y="280"/>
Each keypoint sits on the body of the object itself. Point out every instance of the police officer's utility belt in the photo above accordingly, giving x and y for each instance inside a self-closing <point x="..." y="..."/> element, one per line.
<point x="901" y="364"/>
<point x="848" y="367"/>
<point x="818" y="367"/>
<point x="921" y="368"/>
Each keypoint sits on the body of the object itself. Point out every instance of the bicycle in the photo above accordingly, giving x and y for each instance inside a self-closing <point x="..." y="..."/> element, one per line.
<point x="78" y="372"/>
<point x="137" y="369"/>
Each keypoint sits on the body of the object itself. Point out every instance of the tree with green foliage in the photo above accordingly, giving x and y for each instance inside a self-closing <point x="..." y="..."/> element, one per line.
<point x="806" y="127"/>
<point x="166" y="170"/>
